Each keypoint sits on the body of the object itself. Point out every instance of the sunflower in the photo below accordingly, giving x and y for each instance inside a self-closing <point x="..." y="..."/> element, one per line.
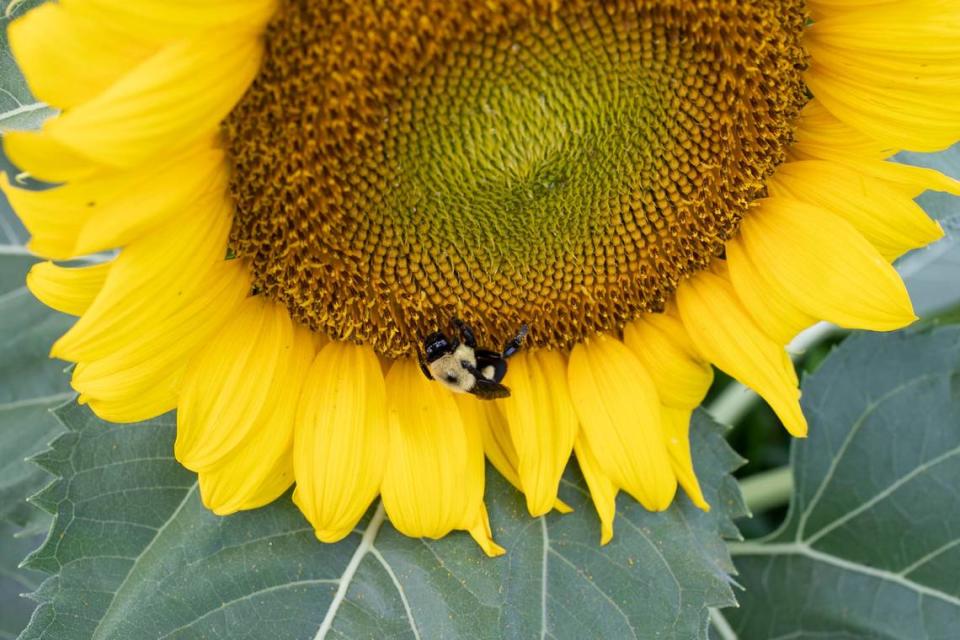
<point x="302" y="191"/>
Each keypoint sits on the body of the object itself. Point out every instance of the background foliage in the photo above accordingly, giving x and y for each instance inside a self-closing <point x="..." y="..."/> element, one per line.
<point x="873" y="521"/>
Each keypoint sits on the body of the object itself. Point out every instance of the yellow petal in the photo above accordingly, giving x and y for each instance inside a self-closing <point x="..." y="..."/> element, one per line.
<point x="489" y="421"/>
<point x="619" y="413"/>
<point x="826" y="8"/>
<point x="45" y="158"/>
<point x="818" y="134"/>
<point x="53" y="229"/>
<point x="139" y="200"/>
<point x="108" y="211"/>
<point x="259" y="468"/>
<point x="230" y="486"/>
<point x="890" y="72"/>
<point x="245" y="380"/>
<point x="67" y="289"/>
<point x="487" y="418"/>
<point x="433" y="480"/>
<point x="542" y="423"/>
<point x="140" y="378"/>
<point x="911" y="180"/>
<point x="67" y="58"/>
<point x="824" y="266"/>
<point x="166" y="103"/>
<point x="150" y="277"/>
<point x="886" y="216"/>
<point x="772" y="310"/>
<point x="483" y="535"/>
<point x="676" y="429"/>
<point x="341" y="439"/>
<point x="679" y="372"/>
<point x="130" y="405"/>
<point x="603" y="492"/>
<point x="163" y="20"/>
<point x="726" y="335"/>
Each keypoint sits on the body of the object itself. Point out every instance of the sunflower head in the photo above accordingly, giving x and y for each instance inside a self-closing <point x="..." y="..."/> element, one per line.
<point x="301" y="192"/>
<point x="558" y="165"/>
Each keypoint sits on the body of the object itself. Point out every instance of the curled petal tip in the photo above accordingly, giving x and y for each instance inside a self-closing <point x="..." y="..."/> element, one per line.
<point x="606" y="533"/>
<point x="562" y="507"/>
<point x="481" y="536"/>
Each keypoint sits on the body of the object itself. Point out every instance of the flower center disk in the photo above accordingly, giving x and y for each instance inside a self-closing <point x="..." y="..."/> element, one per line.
<point x="399" y="164"/>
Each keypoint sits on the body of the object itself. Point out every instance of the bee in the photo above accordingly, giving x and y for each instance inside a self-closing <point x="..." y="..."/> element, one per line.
<point x="461" y="366"/>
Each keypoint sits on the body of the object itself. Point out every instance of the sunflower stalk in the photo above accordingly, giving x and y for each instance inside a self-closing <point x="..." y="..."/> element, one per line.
<point x="768" y="489"/>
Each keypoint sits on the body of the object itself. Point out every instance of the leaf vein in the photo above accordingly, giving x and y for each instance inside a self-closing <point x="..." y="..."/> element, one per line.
<point x="248" y="596"/>
<point x="173" y="516"/>
<point x="396" y="583"/>
<point x="857" y="425"/>
<point x="802" y="549"/>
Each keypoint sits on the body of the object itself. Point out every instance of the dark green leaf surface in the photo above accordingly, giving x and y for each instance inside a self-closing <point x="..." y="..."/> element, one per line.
<point x="30" y="385"/>
<point x="14" y="609"/>
<point x="137" y="556"/>
<point x="871" y="546"/>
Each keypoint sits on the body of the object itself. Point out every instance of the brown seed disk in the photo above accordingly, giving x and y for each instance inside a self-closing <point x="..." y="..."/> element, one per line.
<point x="562" y="165"/>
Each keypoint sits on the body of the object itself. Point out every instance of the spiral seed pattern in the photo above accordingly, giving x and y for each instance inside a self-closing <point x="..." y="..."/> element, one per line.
<point x="557" y="164"/>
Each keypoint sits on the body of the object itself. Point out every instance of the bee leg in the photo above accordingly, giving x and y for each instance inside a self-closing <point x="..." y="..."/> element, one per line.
<point x="472" y="369"/>
<point x="513" y="345"/>
<point x="424" y="367"/>
<point x="465" y="332"/>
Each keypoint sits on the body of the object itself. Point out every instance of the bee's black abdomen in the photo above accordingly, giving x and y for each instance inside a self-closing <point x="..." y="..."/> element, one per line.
<point x="491" y="359"/>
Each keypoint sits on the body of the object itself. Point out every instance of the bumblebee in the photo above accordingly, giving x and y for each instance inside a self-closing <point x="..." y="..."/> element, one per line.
<point x="461" y="366"/>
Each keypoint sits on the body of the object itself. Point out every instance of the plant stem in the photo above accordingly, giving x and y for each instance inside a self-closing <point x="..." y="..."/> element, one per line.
<point x="768" y="489"/>
<point x="721" y="626"/>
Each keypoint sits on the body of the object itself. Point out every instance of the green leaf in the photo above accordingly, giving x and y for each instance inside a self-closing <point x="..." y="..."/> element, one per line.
<point x="31" y="384"/>
<point x="939" y="205"/>
<point x="871" y="545"/>
<point x="18" y="108"/>
<point x="15" y="609"/>
<point x="137" y="556"/>
<point x="931" y="272"/>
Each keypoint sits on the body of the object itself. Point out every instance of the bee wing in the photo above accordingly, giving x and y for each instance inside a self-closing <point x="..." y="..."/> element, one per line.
<point x="489" y="390"/>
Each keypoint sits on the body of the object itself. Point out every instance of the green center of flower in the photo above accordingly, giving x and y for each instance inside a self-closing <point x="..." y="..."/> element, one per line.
<point x="565" y="168"/>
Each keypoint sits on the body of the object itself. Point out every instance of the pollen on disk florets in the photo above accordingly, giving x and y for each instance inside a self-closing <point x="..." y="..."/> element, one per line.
<point x="562" y="165"/>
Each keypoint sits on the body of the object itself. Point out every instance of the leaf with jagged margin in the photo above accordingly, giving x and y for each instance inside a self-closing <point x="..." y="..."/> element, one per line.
<point x="31" y="384"/>
<point x="871" y="545"/>
<point x="14" y="582"/>
<point x="135" y="555"/>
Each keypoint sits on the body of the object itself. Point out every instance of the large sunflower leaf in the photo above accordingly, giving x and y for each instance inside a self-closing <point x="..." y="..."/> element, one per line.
<point x="135" y="555"/>
<point x="30" y="386"/>
<point x="14" y="610"/>
<point x="871" y="545"/>
<point x="30" y="383"/>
